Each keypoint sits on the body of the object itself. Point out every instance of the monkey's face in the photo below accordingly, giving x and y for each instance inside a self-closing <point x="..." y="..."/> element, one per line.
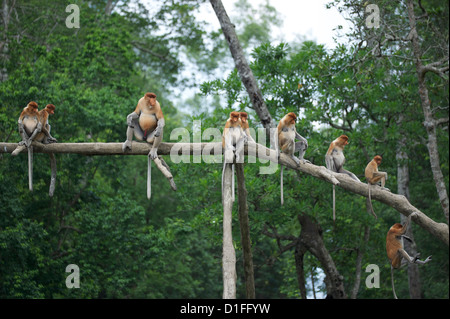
<point x="378" y="159"/>
<point x="152" y="101"/>
<point x="234" y="116"/>
<point x="50" y="109"/>
<point x="343" y="140"/>
<point x="292" y="118"/>
<point x="33" y="106"/>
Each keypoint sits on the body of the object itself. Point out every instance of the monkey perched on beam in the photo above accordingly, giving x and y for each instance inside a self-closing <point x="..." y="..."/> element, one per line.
<point x="146" y="123"/>
<point x="373" y="176"/>
<point x="245" y="126"/>
<point x="233" y="140"/>
<point x="334" y="160"/>
<point x="34" y="126"/>
<point x="287" y="135"/>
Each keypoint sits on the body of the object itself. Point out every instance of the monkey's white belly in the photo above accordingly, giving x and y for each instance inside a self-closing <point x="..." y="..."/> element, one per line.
<point x="147" y="122"/>
<point x="287" y="144"/>
<point x="339" y="160"/>
<point x="29" y="124"/>
<point x="235" y="135"/>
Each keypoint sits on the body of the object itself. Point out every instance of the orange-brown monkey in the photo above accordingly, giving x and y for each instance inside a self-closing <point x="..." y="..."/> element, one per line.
<point x="245" y="126"/>
<point x="373" y="176"/>
<point x="233" y="140"/>
<point x="334" y="160"/>
<point x="29" y="126"/>
<point x="146" y="123"/>
<point x="33" y="126"/>
<point x="287" y="135"/>
<point x="45" y="137"/>
<point x="29" y="123"/>
<point x="395" y="251"/>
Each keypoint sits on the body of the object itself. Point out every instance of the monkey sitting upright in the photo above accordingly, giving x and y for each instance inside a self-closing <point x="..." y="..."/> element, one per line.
<point x="34" y="126"/>
<point x="146" y="123"/>
<point x="334" y="160"/>
<point x="374" y="176"/>
<point x="287" y="134"/>
<point x="233" y="140"/>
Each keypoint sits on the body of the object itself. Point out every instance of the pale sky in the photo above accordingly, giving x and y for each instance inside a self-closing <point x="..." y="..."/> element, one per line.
<point x="308" y="18"/>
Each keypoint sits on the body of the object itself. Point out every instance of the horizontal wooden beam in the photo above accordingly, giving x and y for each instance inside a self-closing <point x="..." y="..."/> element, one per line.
<point x="398" y="202"/>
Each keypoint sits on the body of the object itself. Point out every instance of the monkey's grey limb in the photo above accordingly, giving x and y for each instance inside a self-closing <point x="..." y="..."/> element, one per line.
<point x="127" y="144"/>
<point x="30" y="167"/>
<point x="53" y="174"/>
<point x="149" y="177"/>
<point x="132" y="129"/>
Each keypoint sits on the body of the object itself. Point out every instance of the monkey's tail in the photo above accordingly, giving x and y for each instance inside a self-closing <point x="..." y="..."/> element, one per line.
<point x="281" y="185"/>
<point x="392" y="280"/>
<point x="334" y="202"/>
<point x="369" y="202"/>
<point x="53" y="174"/>
<point x="149" y="178"/>
<point x="30" y="168"/>
<point x="232" y="183"/>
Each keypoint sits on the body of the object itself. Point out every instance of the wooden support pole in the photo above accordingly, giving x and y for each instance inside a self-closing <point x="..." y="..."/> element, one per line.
<point x="228" y="252"/>
<point x="245" y="233"/>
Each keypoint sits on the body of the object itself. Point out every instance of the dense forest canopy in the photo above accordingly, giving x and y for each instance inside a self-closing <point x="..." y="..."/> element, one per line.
<point x="386" y="88"/>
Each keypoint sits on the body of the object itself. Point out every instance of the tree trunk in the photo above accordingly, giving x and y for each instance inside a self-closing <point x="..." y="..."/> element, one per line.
<point x="359" y="257"/>
<point x="4" y="50"/>
<point x="242" y="66"/>
<point x="228" y="253"/>
<point x="403" y="189"/>
<point x="429" y="123"/>
<point x="245" y="233"/>
<point x="311" y="238"/>
<point x="299" y="253"/>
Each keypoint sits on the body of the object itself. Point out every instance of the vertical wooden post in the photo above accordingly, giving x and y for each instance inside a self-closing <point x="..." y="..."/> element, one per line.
<point x="228" y="253"/>
<point x="245" y="233"/>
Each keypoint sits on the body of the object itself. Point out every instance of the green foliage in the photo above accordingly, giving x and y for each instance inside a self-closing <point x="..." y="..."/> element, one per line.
<point x="171" y="246"/>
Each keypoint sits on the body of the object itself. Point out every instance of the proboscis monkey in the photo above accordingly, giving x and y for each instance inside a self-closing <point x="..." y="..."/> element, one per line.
<point x="45" y="138"/>
<point x="287" y="135"/>
<point x="395" y="251"/>
<point x="334" y="160"/>
<point x="33" y="126"/>
<point x="373" y="176"/>
<point x="29" y="126"/>
<point x="245" y="126"/>
<point x="146" y="123"/>
<point x="233" y="140"/>
<point x="44" y="135"/>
